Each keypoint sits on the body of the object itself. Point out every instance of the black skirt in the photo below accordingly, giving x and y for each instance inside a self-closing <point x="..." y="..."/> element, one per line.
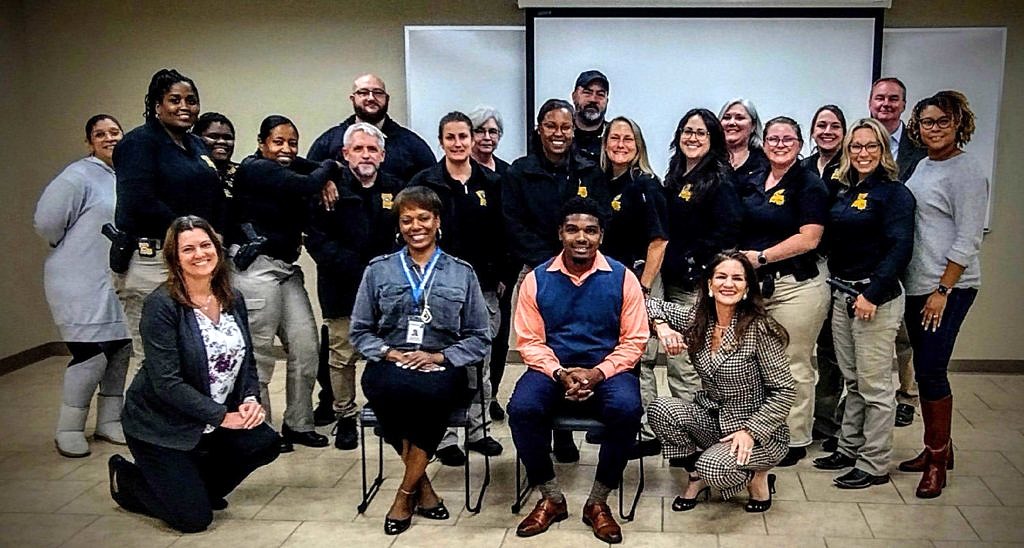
<point x="413" y="405"/>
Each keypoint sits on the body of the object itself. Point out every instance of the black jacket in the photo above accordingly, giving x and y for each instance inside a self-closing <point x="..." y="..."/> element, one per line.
<point x="275" y="199"/>
<point x="343" y="241"/>
<point x="158" y="181"/>
<point x="910" y="154"/>
<point x="168" y="403"/>
<point x="870" y="234"/>
<point x="472" y="227"/>
<point x="406" y="154"/>
<point x="533" y="193"/>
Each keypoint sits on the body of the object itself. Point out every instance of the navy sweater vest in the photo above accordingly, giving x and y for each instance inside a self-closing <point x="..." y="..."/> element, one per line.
<point x="581" y="323"/>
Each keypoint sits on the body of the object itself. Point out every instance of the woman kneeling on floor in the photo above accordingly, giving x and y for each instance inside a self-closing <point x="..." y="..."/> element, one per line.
<point x="735" y="430"/>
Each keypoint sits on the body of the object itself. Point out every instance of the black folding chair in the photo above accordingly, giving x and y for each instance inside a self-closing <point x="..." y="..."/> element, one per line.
<point x="595" y="428"/>
<point x="458" y="419"/>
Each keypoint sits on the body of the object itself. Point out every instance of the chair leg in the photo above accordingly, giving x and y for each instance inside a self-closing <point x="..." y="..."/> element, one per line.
<point x="371" y="492"/>
<point x="523" y="487"/>
<point x="475" y="507"/>
<point x="636" y="497"/>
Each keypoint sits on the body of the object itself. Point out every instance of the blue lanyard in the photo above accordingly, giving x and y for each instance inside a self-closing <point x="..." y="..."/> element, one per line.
<point x="417" y="290"/>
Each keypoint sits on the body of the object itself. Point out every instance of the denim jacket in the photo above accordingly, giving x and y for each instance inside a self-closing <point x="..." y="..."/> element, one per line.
<point x="459" y="325"/>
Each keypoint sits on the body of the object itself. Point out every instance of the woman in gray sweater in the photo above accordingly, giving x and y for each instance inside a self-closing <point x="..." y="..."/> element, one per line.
<point x="944" y="273"/>
<point x="77" y="279"/>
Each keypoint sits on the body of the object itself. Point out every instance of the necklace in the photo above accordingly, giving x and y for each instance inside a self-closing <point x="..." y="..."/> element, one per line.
<point x="205" y="307"/>
<point x="722" y="327"/>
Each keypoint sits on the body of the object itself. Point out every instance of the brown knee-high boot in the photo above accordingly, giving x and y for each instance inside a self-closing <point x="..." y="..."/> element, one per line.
<point x="918" y="463"/>
<point x="937" y="417"/>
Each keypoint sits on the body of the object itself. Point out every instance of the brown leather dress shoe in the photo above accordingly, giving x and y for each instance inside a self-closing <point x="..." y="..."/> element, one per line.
<point x="546" y="513"/>
<point x="599" y="517"/>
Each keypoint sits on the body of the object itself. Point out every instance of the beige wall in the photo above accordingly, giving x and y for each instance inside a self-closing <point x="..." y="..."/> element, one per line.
<point x="61" y="62"/>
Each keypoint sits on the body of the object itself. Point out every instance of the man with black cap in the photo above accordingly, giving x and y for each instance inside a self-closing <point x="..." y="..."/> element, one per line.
<point x="590" y="99"/>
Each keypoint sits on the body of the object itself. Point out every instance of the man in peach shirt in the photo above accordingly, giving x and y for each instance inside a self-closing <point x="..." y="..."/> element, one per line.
<point x="581" y="328"/>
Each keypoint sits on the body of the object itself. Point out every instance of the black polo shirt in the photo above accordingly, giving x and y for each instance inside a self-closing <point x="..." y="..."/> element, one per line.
<point x="870" y="234"/>
<point x="699" y="225"/>
<point x="159" y="181"/>
<point x="405" y="153"/>
<point x="772" y="216"/>
<point x="638" y="217"/>
<point x="756" y="161"/>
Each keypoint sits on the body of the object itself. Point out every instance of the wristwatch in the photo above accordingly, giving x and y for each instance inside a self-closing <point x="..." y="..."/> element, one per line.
<point x="761" y="259"/>
<point x="556" y="375"/>
<point x="942" y="290"/>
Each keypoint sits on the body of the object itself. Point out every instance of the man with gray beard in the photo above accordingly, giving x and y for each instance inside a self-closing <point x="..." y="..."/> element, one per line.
<point x="590" y="98"/>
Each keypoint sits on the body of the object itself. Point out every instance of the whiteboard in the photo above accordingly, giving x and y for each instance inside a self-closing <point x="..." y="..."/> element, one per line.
<point x="660" y="67"/>
<point x="460" y="68"/>
<point x="969" y="60"/>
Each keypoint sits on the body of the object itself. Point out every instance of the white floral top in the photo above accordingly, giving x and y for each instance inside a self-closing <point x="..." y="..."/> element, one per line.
<point x="225" y="351"/>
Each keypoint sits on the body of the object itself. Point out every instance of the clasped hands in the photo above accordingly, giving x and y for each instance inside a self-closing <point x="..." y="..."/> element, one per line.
<point x="249" y="416"/>
<point x="579" y="382"/>
<point x="427" y="362"/>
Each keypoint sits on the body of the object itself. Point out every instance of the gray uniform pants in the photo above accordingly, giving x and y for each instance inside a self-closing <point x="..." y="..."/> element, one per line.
<point x="864" y="351"/>
<point x="478" y="407"/>
<point x="143" y="276"/>
<point x="683" y="380"/>
<point x="648" y="380"/>
<point x="277" y="302"/>
<point x="801" y="308"/>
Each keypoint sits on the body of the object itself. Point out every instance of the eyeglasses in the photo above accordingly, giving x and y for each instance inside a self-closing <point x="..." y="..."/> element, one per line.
<point x="492" y="131"/>
<point x="364" y="93"/>
<point x="929" y="123"/>
<point x="856" y="148"/>
<point x="698" y="134"/>
<point x="786" y="141"/>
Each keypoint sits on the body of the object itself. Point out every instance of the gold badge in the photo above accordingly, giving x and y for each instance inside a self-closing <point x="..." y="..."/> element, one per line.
<point x="835" y="176"/>
<point x="617" y="202"/>
<point x="778" y="198"/>
<point x="582" y="191"/>
<point x="687" y="192"/>
<point x="861" y="202"/>
<point x="483" y="198"/>
<point x="209" y="162"/>
<point x="386" y="200"/>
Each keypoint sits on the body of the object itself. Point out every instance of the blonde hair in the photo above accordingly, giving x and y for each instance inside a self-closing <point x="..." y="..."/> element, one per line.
<point x="640" y="162"/>
<point x="882" y="136"/>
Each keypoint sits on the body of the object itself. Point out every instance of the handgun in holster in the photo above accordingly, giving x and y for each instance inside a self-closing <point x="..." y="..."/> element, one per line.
<point x="122" y="246"/>
<point x="251" y="249"/>
<point x="851" y="294"/>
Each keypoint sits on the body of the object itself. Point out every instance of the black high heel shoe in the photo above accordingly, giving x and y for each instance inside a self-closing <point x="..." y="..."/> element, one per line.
<point x="394" y="526"/>
<point x="438" y="512"/>
<point x="758" y="506"/>
<point x="682" y="504"/>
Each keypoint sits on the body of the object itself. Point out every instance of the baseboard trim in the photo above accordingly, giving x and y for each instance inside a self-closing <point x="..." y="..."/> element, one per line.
<point x="35" y="354"/>
<point x="987" y="366"/>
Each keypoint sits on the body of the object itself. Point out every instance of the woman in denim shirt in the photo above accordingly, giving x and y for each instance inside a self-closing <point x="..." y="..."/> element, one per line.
<point x="419" y="319"/>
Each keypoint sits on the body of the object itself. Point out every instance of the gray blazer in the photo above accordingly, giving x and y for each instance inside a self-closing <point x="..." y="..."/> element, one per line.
<point x="747" y="381"/>
<point x="169" y="404"/>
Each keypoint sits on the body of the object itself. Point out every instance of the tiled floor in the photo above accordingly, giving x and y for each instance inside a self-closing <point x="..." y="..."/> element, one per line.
<point x="308" y="498"/>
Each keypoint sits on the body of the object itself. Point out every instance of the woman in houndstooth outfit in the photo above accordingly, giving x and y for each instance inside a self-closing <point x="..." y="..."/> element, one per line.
<point x="735" y="429"/>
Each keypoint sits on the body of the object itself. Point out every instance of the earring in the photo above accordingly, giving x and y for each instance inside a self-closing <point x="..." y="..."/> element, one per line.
<point x="710" y="293"/>
<point x="398" y="237"/>
<point x="439" y="234"/>
<point x="744" y="297"/>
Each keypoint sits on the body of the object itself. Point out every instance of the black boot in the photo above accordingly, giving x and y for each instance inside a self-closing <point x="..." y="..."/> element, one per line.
<point x="345" y="436"/>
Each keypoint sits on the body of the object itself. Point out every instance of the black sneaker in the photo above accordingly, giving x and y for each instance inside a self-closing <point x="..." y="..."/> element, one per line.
<point x="565" y="449"/>
<point x="904" y="414"/>
<point x="497" y="413"/>
<point x="324" y="415"/>
<point x="793" y="456"/>
<point x="345" y="436"/>
<point x="485" y="446"/>
<point x="451" y="456"/>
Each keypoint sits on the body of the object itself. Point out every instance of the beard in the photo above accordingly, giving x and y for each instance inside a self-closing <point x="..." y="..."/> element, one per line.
<point x="372" y="117"/>
<point x="591" y="114"/>
<point x="364" y="171"/>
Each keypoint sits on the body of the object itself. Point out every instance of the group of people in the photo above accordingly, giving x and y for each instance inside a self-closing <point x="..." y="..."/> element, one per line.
<point x="738" y="264"/>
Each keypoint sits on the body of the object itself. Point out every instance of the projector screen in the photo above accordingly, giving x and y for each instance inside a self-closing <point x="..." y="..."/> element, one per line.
<point x="660" y="67"/>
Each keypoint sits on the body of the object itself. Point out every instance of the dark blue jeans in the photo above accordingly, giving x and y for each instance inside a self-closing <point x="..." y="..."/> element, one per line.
<point x="932" y="349"/>
<point x="537" y="399"/>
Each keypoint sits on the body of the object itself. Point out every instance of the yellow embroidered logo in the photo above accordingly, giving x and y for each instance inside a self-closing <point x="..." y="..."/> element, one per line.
<point x="861" y="202"/>
<point x="617" y="202"/>
<point x="209" y="162"/>
<point x="483" y="198"/>
<point x="687" y="192"/>
<point x="386" y="200"/>
<point x="835" y="176"/>
<point x="582" y="191"/>
<point x="778" y="198"/>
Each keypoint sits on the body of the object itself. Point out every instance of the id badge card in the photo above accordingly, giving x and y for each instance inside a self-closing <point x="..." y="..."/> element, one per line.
<point x="414" y="331"/>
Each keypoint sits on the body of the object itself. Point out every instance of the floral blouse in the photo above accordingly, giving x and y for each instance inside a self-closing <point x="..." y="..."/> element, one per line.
<point x="225" y="350"/>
